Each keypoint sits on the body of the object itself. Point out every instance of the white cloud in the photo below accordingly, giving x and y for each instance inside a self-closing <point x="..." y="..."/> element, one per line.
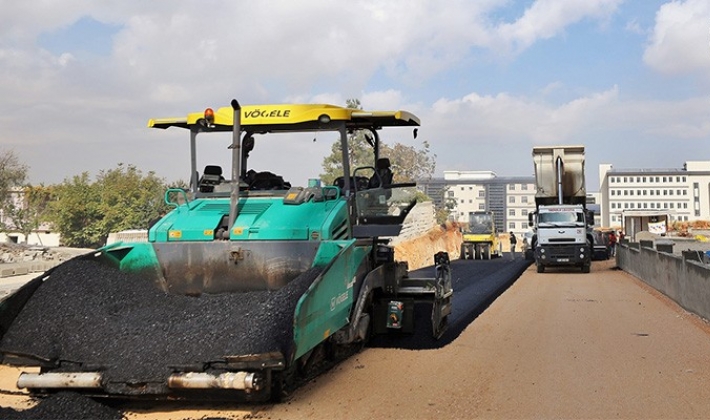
<point x="682" y="120"/>
<point x="552" y="88"/>
<point x="65" y="58"/>
<point x="22" y="22"/>
<point x="570" y="120"/>
<point x="170" y="93"/>
<point x="634" y="26"/>
<point x="680" y="41"/>
<point x="389" y="99"/>
<point x="548" y="18"/>
<point x="512" y="120"/>
<point x="497" y="132"/>
<point x="167" y="61"/>
<point x="274" y="46"/>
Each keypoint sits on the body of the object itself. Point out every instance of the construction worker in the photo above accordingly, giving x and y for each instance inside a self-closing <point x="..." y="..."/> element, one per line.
<point x="612" y="243"/>
<point x="513" y="243"/>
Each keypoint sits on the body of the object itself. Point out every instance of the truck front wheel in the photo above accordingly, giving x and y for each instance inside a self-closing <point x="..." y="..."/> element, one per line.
<point x="540" y="268"/>
<point x="586" y="268"/>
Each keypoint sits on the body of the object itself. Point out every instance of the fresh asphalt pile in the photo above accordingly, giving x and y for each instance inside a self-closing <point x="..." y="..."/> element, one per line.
<point x="92" y="314"/>
<point x="64" y="406"/>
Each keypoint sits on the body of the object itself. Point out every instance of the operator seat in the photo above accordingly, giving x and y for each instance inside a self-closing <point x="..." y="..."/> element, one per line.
<point x="359" y="183"/>
<point x="383" y="174"/>
<point x="210" y="177"/>
<point x="265" y="180"/>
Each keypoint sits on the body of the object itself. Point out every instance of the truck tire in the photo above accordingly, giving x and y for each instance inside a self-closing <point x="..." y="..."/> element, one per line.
<point x="540" y="268"/>
<point x="586" y="268"/>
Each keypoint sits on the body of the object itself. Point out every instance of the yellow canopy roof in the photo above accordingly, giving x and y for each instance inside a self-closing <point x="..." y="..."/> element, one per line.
<point x="285" y="117"/>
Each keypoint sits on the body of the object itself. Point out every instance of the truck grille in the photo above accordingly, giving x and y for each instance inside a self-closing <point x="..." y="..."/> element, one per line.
<point x="562" y="240"/>
<point x="564" y="251"/>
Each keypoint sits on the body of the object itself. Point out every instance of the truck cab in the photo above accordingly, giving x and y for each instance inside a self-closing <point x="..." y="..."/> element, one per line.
<point x="561" y="237"/>
<point x="561" y="222"/>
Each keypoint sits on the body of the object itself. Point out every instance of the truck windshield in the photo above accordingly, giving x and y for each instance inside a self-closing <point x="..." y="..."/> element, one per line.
<point x="480" y="223"/>
<point x="562" y="218"/>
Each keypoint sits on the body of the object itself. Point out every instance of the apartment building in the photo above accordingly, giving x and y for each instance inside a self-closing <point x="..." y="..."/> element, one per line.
<point x="683" y="194"/>
<point x="510" y="198"/>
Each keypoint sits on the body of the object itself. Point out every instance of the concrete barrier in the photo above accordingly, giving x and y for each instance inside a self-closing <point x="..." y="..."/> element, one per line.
<point x="417" y="223"/>
<point x="685" y="281"/>
<point x="26" y="267"/>
<point x="664" y="247"/>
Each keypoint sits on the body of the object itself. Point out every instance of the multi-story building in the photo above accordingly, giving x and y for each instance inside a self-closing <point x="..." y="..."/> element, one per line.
<point x="682" y="194"/>
<point x="593" y="205"/>
<point x="463" y="192"/>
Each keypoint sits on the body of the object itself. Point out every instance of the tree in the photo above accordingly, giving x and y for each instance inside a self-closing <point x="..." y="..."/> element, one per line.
<point x="441" y="215"/>
<point x="75" y="212"/>
<point x="408" y="163"/>
<point x="448" y="207"/>
<point x="12" y="177"/>
<point x="129" y="199"/>
<point x="22" y="206"/>
<point x="28" y="211"/>
<point x="84" y="213"/>
<point x="12" y="173"/>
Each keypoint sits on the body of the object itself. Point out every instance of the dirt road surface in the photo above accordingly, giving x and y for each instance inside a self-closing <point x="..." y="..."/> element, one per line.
<point x="554" y="345"/>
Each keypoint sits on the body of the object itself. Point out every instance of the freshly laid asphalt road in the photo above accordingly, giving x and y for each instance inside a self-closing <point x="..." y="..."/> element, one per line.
<point x="476" y="283"/>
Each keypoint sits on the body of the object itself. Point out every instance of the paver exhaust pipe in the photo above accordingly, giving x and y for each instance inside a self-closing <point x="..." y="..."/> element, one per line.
<point x="59" y="380"/>
<point x="247" y="381"/>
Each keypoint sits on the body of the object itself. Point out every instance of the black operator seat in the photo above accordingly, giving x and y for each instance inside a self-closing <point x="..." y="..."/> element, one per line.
<point x="383" y="174"/>
<point x="210" y="177"/>
<point x="265" y="180"/>
<point x="358" y="183"/>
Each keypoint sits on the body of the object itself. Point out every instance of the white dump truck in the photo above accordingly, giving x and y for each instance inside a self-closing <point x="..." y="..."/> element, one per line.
<point x="561" y="222"/>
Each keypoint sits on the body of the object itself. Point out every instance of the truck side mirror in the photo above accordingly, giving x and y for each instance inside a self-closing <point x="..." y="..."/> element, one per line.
<point x="530" y="219"/>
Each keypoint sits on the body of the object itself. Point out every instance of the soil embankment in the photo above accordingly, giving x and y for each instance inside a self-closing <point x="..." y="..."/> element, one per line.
<point x="419" y="252"/>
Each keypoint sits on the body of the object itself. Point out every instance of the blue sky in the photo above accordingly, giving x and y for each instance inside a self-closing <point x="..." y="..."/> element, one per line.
<point x="489" y="79"/>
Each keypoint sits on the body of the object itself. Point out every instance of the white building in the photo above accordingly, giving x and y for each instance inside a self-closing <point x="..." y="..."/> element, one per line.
<point x="520" y="201"/>
<point x="683" y="194"/>
<point x="42" y="236"/>
<point x="509" y="198"/>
